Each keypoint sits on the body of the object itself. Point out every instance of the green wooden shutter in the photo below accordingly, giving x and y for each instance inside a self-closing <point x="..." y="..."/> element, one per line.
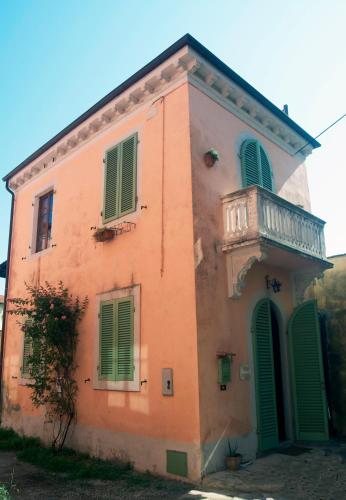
<point x="250" y="163"/>
<point x="265" y="170"/>
<point x="267" y="426"/>
<point x="111" y="188"/>
<point x="124" y="339"/>
<point x="128" y="174"/>
<point x="255" y="165"/>
<point x="106" y="341"/>
<point x="311" y="420"/>
<point x="26" y="354"/>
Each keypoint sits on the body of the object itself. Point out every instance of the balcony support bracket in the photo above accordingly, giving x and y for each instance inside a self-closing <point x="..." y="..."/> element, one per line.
<point x="302" y="279"/>
<point x="239" y="263"/>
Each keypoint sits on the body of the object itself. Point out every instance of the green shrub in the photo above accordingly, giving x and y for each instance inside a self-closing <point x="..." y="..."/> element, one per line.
<point x="4" y="494"/>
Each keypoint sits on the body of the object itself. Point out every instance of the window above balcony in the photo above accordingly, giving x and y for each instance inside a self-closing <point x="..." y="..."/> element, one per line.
<point x="255" y="165"/>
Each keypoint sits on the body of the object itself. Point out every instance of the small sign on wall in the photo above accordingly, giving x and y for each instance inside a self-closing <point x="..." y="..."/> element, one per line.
<point x="167" y="381"/>
<point x="244" y="372"/>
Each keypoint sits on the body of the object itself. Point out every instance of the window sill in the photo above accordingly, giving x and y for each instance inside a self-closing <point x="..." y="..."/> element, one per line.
<point x="24" y="381"/>
<point x="36" y="255"/>
<point x="110" y="385"/>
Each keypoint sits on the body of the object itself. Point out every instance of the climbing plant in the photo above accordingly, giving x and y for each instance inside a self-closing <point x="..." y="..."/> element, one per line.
<point x="49" y="317"/>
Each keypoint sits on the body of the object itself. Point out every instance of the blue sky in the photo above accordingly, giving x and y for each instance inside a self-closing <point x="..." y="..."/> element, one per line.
<point x="57" y="58"/>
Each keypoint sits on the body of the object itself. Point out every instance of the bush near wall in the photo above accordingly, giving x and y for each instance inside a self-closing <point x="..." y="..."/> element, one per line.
<point x="330" y="292"/>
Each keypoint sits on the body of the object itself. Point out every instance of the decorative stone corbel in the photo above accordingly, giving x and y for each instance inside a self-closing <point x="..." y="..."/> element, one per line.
<point x="239" y="262"/>
<point x="301" y="281"/>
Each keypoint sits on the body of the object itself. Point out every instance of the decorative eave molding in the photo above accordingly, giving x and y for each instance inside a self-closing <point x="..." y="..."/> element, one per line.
<point x="240" y="103"/>
<point x="185" y="64"/>
<point x="156" y="83"/>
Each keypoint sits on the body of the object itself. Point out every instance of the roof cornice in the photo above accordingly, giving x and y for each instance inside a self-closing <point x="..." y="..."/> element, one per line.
<point x="186" y="58"/>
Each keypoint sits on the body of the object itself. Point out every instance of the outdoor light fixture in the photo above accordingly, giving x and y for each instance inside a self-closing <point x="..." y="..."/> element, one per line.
<point x="273" y="283"/>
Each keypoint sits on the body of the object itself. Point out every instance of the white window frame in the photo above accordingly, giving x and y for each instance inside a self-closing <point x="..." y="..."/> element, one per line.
<point x="36" y="203"/>
<point x="112" y="385"/>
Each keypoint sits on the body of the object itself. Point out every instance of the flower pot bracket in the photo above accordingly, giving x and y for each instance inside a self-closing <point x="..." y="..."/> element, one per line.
<point x="109" y="232"/>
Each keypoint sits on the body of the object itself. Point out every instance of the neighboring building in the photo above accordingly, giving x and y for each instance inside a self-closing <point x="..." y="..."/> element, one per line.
<point x="330" y="292"/>
<point x="206" y="269"/>
<point x="3" y="269"/>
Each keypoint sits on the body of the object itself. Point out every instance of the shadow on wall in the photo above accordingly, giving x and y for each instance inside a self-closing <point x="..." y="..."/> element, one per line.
<point x="330" y="292"/>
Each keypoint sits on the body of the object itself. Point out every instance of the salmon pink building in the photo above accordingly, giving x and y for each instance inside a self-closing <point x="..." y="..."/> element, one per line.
<point x="179" y="205"/>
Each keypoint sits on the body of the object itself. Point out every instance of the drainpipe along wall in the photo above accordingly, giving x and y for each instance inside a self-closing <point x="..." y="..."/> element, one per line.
<point x="5" y="299"/>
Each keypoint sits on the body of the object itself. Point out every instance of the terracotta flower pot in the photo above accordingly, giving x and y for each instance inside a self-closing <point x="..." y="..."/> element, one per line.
<point x="233" y="463"/>
<point x="105" y="235"/>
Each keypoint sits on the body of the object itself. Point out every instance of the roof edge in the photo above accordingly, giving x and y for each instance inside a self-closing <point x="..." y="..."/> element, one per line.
<point x="186" y="40"/>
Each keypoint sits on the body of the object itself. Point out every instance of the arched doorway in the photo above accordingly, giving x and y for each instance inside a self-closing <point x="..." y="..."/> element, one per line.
<point x="271" y="426"/>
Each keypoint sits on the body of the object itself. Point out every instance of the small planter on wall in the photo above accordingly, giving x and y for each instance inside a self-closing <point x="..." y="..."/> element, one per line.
<point x="211" y="157"/>
<point x="104" y="234"/>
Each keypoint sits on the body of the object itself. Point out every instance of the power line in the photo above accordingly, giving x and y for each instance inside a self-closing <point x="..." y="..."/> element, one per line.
<point x="323" y="131"/>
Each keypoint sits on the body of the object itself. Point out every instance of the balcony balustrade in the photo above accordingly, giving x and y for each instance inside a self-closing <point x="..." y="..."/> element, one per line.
<point x="255" y="213"/>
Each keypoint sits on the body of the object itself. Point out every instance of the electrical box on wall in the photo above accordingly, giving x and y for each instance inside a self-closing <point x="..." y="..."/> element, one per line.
<point x="225" y="369"/>
<point x="167" y="381"/>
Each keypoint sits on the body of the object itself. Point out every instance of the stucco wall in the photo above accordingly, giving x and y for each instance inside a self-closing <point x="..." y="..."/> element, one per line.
<point x="157" y="254"/>
<point x="224" y="324"/>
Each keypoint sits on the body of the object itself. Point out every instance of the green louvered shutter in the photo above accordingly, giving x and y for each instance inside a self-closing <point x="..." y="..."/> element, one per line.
<point x="124" y="339"/>
<point x="128" y="174"/>
<point x="265" y="170"/>
<point x="267" y="426"/>
<point x="111" y="189"/>
<point x="107" y="341"/>
<point x="311" y="421"/>
<point x="250" y="164"/>
<point x="26" y="354"/>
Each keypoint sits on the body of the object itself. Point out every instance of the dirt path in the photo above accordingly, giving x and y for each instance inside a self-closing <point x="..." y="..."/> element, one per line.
<point x="26" y="481"/>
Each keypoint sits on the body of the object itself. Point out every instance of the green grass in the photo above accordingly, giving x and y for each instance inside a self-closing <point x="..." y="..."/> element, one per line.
<point x="10" y="440"/>
<point x="76" y="465"/>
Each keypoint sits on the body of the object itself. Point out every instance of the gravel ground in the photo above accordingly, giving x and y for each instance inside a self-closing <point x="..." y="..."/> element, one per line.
<point x="319" y="474"/>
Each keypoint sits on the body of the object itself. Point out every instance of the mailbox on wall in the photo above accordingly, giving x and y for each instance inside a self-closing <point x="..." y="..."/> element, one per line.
<point x="224" y="369"/>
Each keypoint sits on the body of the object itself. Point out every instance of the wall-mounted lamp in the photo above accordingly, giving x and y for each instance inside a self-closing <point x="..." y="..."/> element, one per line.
<point x="273" y="283"/>
<point x="211" y="157"/>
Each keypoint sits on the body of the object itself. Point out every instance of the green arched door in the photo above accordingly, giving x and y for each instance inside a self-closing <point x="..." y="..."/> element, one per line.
<point x="310" y="407"/>
<point x="267" y="425"/>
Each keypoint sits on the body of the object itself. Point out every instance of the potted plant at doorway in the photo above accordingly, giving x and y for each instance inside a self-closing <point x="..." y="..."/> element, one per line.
<point x="104" y="234"/>
<point x="234" y="458"/>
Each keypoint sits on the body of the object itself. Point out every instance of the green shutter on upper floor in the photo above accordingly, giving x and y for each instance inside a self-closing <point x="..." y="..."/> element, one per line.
<point x="265" y="170"/>
<point x="128" y="174"/>
<point x="255" y="165"/>
<point x="250" y="163"/>
<point x="120" y="179"/>
<point x="111" y="188"/>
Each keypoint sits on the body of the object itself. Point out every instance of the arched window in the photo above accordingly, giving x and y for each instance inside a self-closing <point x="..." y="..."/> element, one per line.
<point x="255" y="165"/>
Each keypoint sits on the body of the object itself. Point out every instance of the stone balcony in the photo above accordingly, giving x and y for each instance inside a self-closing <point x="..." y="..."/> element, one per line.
<point x="259" y="225"/>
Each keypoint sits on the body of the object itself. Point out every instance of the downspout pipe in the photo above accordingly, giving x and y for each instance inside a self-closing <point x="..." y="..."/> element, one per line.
<point x="5" y="299"/>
